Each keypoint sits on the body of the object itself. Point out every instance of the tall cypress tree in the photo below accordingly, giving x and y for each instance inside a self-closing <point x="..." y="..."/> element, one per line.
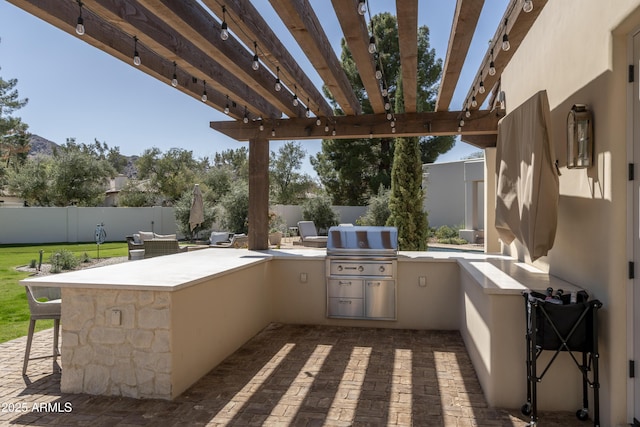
<point x="407" y="195"/>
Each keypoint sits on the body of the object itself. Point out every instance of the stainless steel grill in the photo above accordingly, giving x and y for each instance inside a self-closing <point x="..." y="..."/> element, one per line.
<point x="361" y="272"/>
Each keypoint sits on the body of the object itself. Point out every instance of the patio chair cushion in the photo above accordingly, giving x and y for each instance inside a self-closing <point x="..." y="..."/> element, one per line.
<point x="309" y="234"/>
<point x="159" y="247"/>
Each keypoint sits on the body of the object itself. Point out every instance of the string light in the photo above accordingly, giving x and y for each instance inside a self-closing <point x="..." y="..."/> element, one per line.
<point x="474" y="103"/>
<point x="492" y="65"/>
<point x="393" y="130"/>
<point x="467" y="113"/>
<point x="307" y="113"/>
<point x="389" y="116"/>
<point x="80" y="24"/>
<point x="378" y="72"/>
<point x="273" y="132"/>
<point x="261" y="127"/>
<point x="204" y="91"/>
<point x="362" y="7"/>
<point x="245" y="119"/>
<point x="505" y="38"/>
<point x="333" y="132"/>
<point x="527" y="6"/>
<point x="318" y="121"/>
<point x="295" y="101"/>
<point x="174" y="79"/>
<point x="226" y="107"/>
<point x="136" y="56"/>
<point x="481" y="88"/>
<point x="372" y="45"/>
<point x="224" y="29"/>
<point x="255" y="65"/>
<point x="461" y="122"/>
<point x="278" y="85"/>
<point x="326" y="127"/>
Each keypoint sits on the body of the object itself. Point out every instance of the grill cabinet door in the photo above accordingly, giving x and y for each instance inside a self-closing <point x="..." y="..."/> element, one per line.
<point x="380" y="299"/>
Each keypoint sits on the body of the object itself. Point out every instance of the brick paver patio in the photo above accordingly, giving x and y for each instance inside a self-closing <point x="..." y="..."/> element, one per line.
<point x="286" y="375"/>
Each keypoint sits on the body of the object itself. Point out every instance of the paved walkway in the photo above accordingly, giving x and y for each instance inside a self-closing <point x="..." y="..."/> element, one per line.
<point x="287" y="375"/>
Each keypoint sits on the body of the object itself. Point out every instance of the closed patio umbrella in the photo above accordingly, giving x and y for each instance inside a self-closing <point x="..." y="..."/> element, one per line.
<point x="196" y="214"/>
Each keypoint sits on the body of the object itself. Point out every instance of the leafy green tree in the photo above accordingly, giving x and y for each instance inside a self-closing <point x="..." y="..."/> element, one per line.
<point x="172" y="173"/>
<point x="137" y="194"/>
<point x="14" y="137"/>
<point x="236" y="160"/>
<point x="78" y="175"/>
<point x="32" y="181"/>
<point x="378" y="211"/>
<point x="287" y="184"/>
<point x="235" y="208"/>
<point x="352" y="170"/>
<point x="319" y="210"/>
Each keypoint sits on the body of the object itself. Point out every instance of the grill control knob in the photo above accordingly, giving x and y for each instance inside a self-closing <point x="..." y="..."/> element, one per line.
<point x="360" y="268"/>
<point x="382" y="269"/>
<point x="339" y="268"/>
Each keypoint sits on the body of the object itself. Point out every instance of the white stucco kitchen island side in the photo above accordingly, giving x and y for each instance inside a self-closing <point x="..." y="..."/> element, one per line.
<point x="151" y="328"/>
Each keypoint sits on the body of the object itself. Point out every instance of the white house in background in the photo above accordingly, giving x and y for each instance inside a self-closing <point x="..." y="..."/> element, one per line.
<point x="455" y="196"/>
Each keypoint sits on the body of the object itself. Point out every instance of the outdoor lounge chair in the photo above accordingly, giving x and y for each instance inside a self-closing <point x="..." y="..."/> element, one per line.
<point x="309" y="235"/>
<point x="236" y="241"/>
<point x="159" y="247"/>
<point x="40" y="310"/>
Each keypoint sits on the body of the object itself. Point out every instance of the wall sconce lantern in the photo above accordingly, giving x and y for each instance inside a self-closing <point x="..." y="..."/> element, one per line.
<point x="579" y="137"/>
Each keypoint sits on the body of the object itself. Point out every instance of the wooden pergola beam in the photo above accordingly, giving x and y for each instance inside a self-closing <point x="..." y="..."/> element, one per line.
<point x="251" y="26"/>
<point x="356" y="35"/>
<point x="135" y="20"/>
<point x="463" y="27"/>
<point x="364" y="126"/>
<point x="407" y="12"/>
<point x="302" y="22"/>
<point x="109" y="39"/>
<point x="518" y="24"/>
<point x="193" y="21"/>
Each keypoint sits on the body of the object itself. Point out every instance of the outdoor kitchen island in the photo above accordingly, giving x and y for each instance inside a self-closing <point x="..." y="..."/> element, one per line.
<point x="151" y="328"/>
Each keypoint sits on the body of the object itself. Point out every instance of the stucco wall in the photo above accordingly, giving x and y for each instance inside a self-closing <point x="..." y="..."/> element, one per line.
<point x="577" y="52"/>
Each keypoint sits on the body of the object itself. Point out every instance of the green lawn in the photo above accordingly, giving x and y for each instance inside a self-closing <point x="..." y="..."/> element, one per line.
<point x="14" y="311"/>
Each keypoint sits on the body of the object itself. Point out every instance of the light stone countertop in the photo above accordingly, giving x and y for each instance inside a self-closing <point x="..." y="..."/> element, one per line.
<point x="496" y="274"/>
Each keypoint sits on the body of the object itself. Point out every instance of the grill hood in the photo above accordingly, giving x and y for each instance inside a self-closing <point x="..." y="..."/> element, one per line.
<point x="362" y="240"/>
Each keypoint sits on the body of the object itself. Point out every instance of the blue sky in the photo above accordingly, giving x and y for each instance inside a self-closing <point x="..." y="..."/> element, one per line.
<point x="76" y="90"/>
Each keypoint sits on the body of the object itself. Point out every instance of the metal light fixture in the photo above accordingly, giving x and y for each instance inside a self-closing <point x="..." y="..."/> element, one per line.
<point x="80" y="24"/>
<point x="579" y="137"/>
<point x="278" y="85"/>
<point x="204" y="91"/>
<point x="174" y="79"/>
<point x="224" y="29"/>
<point x="255" y="64"/>
<point x="136" y="55"/>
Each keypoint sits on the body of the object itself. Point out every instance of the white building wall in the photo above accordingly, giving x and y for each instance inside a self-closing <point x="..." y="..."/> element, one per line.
<point x="577" y="51"/>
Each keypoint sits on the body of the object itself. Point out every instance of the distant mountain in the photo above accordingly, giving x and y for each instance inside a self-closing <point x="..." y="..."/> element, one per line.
<point x="40" y="145"/>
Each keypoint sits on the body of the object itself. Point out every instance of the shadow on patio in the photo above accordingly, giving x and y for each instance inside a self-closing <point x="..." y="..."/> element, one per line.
<point x="286" y="375"/>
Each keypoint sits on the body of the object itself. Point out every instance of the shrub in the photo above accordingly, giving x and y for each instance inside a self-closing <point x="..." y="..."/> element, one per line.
<point x="63" y="260"/>
<point x="32" y="264"/>
<point x="86" y="258"/>
<point x="378" y="211"/>
<point x="446" y="232"/>
<point x="318" y="210"/>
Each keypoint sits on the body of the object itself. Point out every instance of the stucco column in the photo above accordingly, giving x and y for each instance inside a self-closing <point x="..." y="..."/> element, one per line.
<point x="491" y="242"/>
<point x="259" y="193"/>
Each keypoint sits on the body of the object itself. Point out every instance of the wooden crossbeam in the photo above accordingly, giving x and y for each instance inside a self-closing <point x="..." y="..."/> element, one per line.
<point x="356" y="35"/>
<point x="252" y="26"/>
<point x="193" y="21"/>
<point x="299" y="17"/>
<point x="134" y="19"/>
<point x="518" y="25"/>
<point x="463" y="27"/>
<point x="407" y="12"/>
<point x="363" y="126"/>
<point x="108" y="38"/>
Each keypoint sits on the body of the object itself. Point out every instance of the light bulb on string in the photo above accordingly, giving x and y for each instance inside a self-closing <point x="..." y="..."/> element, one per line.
<point x="245" y="119"/>
<point x="307" y="113"/>
<point x="226" y="107"/>
<point x="261" y="127"/>
<point x="318" y="121"/>
<point x="474" y="103"/>
<point x="393" y="130"/>
<point x="326" y="127"/>
<point x="333" y="132"/>
<point x="481" y="88"/>
<point x="255" y="65"/>
<point x="378" y="72"/>
<point x="224" y="29"/>
<point x="80" y="23"/>
<point x="273" y="132"/>
<point x="278" y="85"/>
<point x="389" y="116"/>
<point x="461" y="123"/>
<point x="492" y="65"/>
<point x="136" y="56"/>
<point x="384" y="92"/>
<point x="387" y="105"/>
<point x="505" y="38"/>
<point x="362" y="7"/>
<point x="527" y="6"/>
<point x="295" y="101"/>
<point x="174" y="79"/>
<point x="372" y="45"/>
<point x="204" y="91"/>
<point x="467" y="113"/>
